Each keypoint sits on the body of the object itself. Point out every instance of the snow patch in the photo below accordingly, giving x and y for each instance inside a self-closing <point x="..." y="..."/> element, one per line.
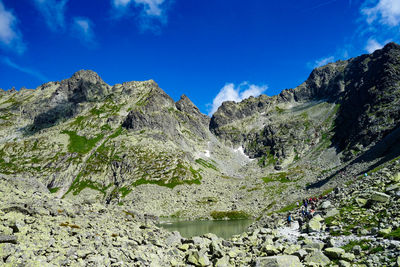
<point x="207" y="153"/>
<point x="240" y="150"/>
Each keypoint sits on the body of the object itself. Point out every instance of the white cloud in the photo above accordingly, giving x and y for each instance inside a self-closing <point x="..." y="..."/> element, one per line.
<point x="121" y="3"/>
<point x="232" y="93"/>
<point x="10" y="36"/>
<point x="387" y="12"/>
<point x="31" y="72"/>
<point x="323" y="61"/>
<point x="151" y="15"/>
<point x="83" y="29"/>
<point x="373" y="45"/>
<point x="150" y="7"/>
<point x="53" y="12"/>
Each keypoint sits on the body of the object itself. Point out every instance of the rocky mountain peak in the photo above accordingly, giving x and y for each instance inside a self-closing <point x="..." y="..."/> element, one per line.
<point x="390" y="46"/>
<point x="86" y="75"/>
<point x="85" y="85"/>
<point x="185" y="104"/>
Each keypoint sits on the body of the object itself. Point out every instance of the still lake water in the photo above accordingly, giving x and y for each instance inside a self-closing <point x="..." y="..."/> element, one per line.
<point x="223" y="228"/>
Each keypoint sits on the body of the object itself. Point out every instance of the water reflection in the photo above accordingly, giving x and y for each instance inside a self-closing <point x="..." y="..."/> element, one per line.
<point x="224" y="228"/>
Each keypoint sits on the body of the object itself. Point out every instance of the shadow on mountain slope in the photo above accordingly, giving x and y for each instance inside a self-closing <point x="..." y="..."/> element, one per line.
<point x="51" y="117"/>
<point x="387" y="149"/>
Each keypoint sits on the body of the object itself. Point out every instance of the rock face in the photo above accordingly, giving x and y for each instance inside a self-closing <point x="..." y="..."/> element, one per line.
<point x="355" y="106"/>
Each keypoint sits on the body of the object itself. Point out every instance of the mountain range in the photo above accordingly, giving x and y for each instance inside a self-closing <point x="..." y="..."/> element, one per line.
<point x="86" y="140"/>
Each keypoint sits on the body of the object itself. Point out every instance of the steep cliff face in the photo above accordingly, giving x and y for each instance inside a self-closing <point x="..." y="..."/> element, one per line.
<point x="370" y="105"/>
<point x="347" y="105"/>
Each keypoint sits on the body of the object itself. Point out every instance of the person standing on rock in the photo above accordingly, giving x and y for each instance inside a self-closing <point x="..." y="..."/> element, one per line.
<point x="289" y="219"/>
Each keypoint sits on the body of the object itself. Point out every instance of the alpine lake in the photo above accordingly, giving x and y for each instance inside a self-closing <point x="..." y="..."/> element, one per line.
<point x="221" y="228"/>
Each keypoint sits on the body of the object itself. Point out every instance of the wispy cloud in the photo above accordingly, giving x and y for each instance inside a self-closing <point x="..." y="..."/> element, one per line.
<point x="230" y="92"/>
<point x="386" y="12"/>
<point x="10" y="35"/>
<point x="151" y="14"/>
<point x="322" y="61"/>
<point x="82" y="29"/>
<point x="379" y="23"/>
<point x="150" y="7"/>
<point x="39" y="76"/>
<point x="373" y="45"/>
<point x="53" y="11"/>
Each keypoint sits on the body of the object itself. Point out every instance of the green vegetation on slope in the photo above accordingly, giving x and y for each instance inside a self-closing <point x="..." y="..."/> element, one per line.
<point x="267" y="160"/>
<point x="78" y="185"/>
<point x="167" y="183"/>
<point x="231" y="215"/>
<point x="206" y="164"/>
<point x="281" y="177"/>
<point x="150" y="167"/>
<point x="80" y="144"/>
<point x="287" y="208"/>
<point x="394" y="234"/>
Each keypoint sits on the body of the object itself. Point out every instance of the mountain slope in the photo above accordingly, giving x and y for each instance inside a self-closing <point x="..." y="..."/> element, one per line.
<point x="132" y="144"/>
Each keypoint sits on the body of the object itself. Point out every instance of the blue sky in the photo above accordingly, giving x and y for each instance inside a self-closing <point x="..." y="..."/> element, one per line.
<point x="210" y="50"/>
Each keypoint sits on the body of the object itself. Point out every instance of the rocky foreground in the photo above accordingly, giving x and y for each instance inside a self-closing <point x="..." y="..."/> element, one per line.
<point x="357" y="224"/>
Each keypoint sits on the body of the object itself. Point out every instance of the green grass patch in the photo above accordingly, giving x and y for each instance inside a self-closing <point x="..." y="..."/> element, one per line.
<point x="231" y="215"/>
<point x="78" y="121"/>
<point x="97" y="112"/>
<point x="376" y="249"/>
<point x="196" y="173"/>
<point x="364" y="244"/>
<point x="277" y="177"/>
<point x="287" y="208"/>
<point x="206" y="164"/>
<point x="143" y="100"/>
<point x="394" y="234"/>
<point x="330" y="220"/>
<point x="124" y="191"/>
<point x="327" y="192"/>
<point x="81" y="144"/>
<point x="167" y="183"/>
<point x="78" y="185"/>
<point x="279" y="110"/>
<point x="266" y="160"/>
<point x="54" y="190"/>
<point x="5" y="116"/>
<point x="106" y="127"/>
<point x="35" y="160"/>
<point x="117" y="133"/>
<point x="253" y="189"/>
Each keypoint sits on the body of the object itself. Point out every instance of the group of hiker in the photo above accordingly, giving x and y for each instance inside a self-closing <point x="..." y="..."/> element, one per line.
<point x="305" y="212"/>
